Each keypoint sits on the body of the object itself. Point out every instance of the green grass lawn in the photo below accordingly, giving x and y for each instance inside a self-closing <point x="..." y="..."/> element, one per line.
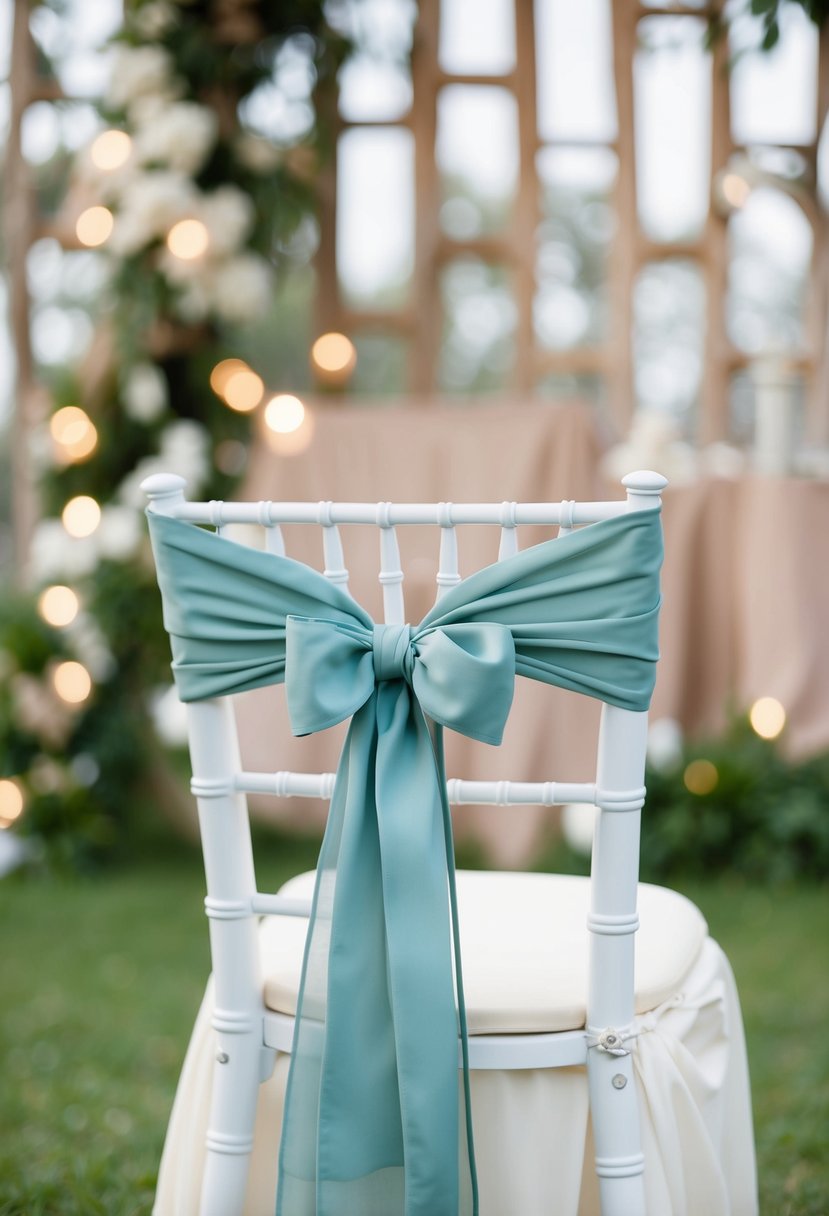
<point x="101" y="979"/>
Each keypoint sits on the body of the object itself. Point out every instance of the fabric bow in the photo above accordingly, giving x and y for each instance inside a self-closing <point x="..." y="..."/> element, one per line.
<point x="372" y="1112"/>
<point x="462" y="676"/>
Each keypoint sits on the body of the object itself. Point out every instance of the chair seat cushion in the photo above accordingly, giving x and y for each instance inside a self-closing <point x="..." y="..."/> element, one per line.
<point x="524" y="945"/>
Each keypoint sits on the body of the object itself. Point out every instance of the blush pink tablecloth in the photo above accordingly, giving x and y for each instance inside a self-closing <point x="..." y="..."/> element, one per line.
<point x="746" y="588"/>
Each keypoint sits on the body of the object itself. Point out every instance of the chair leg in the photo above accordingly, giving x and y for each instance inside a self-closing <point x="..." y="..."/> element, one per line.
<point x="616" y="1132"/>
<point x="236" y="1079"/>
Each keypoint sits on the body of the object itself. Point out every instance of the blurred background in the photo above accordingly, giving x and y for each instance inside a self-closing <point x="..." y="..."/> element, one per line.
<point x="379" y="249"/>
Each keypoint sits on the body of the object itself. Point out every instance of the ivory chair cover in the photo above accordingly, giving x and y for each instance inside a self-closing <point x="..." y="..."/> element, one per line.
<point x="532" y="1127"/>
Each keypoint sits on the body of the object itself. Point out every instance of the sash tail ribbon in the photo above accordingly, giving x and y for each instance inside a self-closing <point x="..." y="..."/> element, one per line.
<point x="373" y="1123"/>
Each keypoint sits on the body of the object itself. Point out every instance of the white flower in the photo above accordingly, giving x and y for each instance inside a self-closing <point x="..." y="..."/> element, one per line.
<point x="55" y="554"/>
<point x="139" y="71"/>
<point x="182" y="271"/>
<point x="240" y="288"/>
<point x="229" y="215"/>
<point x="90" y="646"/>
<point x="664" y="744"/>
<point x="180" y="135"/>
<point x="145" y="392"/>
<point x="184" y="450"/>
<point x="118" y="533"/>
<point x="169" y="716"/>
<point x="129" y="491"/>
<point x="193" y="302"/>
<point x="150" y="206"/>
<point x="152" y="20"/>
<point x="257" y="153"/>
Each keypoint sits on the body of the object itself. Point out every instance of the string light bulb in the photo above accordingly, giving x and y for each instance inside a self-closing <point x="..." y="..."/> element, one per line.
<point x="72" y="682"/>
<point x="74" y="432"/>
<point x="58" y="605"/>
<point x="188" y="240"/>
<point x="767" y="717"/>
<point x="243" y="390"/>
<point x="11" y="802"/>
<point x="735" y="190"/>
<point x="81" y="516"/>
<point x="701" y="777"/>
<point x="284" y="413"/>
<point x="110" y="150"/>
<point x="333" y="358"/>
<point x="94" y="226"/>
<point x="222" y="372"/>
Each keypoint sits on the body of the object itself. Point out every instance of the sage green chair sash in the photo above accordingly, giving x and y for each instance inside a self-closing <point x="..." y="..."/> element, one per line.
<point x="372" y="1115"/>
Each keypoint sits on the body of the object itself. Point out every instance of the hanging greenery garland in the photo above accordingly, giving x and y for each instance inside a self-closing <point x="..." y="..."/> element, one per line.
<point x="194" y="213"/>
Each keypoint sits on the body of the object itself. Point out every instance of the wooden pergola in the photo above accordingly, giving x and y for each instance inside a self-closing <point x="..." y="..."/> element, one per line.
<point x="514" y="248"/>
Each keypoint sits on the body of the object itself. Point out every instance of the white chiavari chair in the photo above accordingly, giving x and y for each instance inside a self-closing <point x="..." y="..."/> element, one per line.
<point x="569" y="999"/>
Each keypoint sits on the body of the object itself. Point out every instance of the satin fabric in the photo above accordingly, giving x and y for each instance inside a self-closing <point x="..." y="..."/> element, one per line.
<point x="372" y="1113"/>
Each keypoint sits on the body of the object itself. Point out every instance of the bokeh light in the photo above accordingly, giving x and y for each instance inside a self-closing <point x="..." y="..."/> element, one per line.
<point x="75" y="433"/>
<point x="222" y="372"/>
<point x="701" y="777"/>
<point x="333" y="358"/>
<point x="11" y="802"/>
<point x="72" y="682"/>
<point x="243" y="390"/>
<point x="188" y="239"/>
<point x="110" y="150"/>
<point x="58" y="605"/>
<point x="284" y="413"/>
<point x="81" y="516"/>
<point x="93" y="226"/>
<point x="767" y="717"/>
<point x="735" y="189"/>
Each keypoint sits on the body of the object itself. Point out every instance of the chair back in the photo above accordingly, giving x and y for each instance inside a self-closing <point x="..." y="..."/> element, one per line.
<point x="220" y="783"/>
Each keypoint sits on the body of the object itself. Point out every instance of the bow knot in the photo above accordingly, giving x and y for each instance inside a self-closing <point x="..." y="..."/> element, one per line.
<point x="462" y="676"/>
<point x="392" y="651"/>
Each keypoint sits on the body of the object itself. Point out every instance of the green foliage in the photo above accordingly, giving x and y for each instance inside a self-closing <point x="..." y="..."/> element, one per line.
<point x="766" y="818"/>
<point x="90" y="771"/>
<point x="769" y="10"/>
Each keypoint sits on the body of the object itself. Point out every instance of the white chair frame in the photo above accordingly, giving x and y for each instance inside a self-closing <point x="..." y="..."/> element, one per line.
<point x="248" y="1034"/>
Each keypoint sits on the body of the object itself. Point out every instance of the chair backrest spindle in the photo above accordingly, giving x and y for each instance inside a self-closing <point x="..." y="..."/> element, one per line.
<point x="332" y="548"/>
<point x="274" y="541"/>
<point x="567" y="508"/>
<point x="448" y="573"/>
<point x="509" y="531"/>
<point x="391" y="572"/>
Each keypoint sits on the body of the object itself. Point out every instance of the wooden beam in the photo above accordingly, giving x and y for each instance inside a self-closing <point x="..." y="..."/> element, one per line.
<point x="526" y="211"/>
<point x="425" y="84"/>
<point x="402" y="322"/>
<point x="817" y="416"/>
<point x="327" y="301"/>
<point x="503" y="80"/>
<point x="492" y="248"/>
<point x="623" y="264"/>
<point x="661" y="251"/>
<point x="712" y="421"/>
<point x="579" y="361"/>
<point x="19" y="219"/>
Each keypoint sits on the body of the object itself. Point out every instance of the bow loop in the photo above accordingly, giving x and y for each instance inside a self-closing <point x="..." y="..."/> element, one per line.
<point x="463" y="676"/>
